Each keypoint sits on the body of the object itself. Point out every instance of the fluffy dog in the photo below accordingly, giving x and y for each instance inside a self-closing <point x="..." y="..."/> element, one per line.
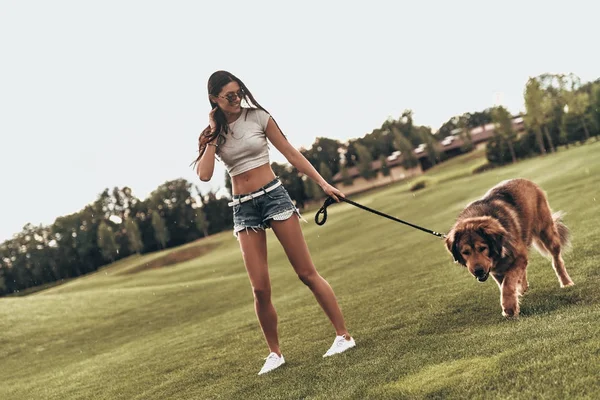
<point x="492" y="236"/>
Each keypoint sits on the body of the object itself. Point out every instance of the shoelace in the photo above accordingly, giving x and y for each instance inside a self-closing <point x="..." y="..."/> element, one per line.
<point x="337" y="343"/>
<point x="272" y="356"/>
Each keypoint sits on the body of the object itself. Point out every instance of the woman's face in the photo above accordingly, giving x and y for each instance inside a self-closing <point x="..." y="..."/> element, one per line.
<point x="229" y="99"/>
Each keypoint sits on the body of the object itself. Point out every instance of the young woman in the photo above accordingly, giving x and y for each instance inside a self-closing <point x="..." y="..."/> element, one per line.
<point x="238" y="137"/>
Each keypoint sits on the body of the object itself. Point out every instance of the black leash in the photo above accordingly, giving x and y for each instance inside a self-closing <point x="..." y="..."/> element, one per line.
<point x="329" y="201"/>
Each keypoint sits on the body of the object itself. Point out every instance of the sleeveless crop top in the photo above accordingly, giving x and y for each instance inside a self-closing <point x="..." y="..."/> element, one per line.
<point x="245" y="144"/>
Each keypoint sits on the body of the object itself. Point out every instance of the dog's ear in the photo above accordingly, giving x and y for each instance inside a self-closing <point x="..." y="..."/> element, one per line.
<point x="495" y="243"/>
<point x="451" y="242"/>
<point x="495" y="235"/>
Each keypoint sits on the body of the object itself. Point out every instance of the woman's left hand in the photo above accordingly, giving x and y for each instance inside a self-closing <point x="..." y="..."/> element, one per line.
<point x="332" y="191"/>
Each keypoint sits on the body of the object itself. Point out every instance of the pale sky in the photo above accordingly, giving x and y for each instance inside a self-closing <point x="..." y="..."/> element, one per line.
<point x="97" y="94"/>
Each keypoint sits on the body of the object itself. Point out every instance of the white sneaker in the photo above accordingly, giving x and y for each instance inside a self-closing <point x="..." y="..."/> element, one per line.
<point x="340" y="344"/>
<point x="273" y="361"/>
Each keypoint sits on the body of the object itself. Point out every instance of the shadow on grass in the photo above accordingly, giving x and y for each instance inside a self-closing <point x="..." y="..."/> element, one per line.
<point x="172" y="258"/>
<point x="462" y="311"/>
<point x="547" y="299"/>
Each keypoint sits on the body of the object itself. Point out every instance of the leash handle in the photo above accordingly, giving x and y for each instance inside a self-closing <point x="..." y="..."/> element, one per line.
<point x="323" y="211"/>
<point x="328" y="201"/>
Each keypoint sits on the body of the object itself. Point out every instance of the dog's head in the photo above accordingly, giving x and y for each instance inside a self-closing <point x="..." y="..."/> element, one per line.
<point x="477" y="243"/>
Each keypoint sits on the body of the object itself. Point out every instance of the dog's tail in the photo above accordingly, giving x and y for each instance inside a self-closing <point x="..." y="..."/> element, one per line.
<point x="563" y="231"/>
<point x="563" y="235"/>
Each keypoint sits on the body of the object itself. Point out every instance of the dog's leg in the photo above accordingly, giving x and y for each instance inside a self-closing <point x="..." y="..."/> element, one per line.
<point x="554" y="234"/>
<point x="551" y="240"/>
<point x="509" y="294"/>
<point x="498" y="278"/>
<point x="523" y="284"/>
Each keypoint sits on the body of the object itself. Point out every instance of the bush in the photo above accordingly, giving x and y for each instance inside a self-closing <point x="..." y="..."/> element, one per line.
<point x="482" y="168"/>
<point x="418" y="185"/>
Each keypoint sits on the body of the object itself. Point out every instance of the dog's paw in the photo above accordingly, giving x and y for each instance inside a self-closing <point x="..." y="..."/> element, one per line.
<point x="569" y="283"/>
<point x="510" y="313"/>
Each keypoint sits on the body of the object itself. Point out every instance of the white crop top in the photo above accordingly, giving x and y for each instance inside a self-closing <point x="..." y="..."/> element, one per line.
<point x="245" y="144"/>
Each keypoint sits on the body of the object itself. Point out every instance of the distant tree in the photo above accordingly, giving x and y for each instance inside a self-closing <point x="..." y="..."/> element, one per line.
<point x="595" y="106"/>
<point x="133" y="236"/>
<point x="106" y="242"/>
<point x="292" y="181"/>
<point x="308" y="188"/>
<point x="465" y="134"/>
<point x="160" y="230"/>
<point x="312" y="189"/>
<point x="324" y="150"/>
<point x="504" y="129"/>
<point x="447" y="127"/>
<point x="534" y="98"/>
<point x="563" y="134"/>
<point x="553" y="103"/>
<point x="578" y="103"/>
<point x="351" y="156"/>
<point x="325" y="171"/>
<point x="478" y="118"/>
<point x="385" y="169"/>
<point x="364" y="162"/>
<point x="201" y="221"/>
<point x="346" y="179"/>
<point x="404" y="146"/>
<point x="431" y="146"/>
<point x="2" y="285"/>
<point x="407" y="127"/>
<point x="176" y="204"/>
<point x="218" y="213"/>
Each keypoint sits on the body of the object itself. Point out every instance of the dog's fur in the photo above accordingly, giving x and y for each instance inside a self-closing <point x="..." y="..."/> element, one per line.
<point x="493" y="235"/>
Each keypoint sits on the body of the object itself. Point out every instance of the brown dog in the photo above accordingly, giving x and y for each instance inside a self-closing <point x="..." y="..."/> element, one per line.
<point x="493" y="235"/>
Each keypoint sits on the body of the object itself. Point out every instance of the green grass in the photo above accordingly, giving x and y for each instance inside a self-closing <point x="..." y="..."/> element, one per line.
<point x="424" y="328"/>
<point x="458" y="167"/>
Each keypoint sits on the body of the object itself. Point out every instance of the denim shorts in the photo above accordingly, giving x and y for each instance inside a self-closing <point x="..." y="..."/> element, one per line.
<point x="258" y="212"/>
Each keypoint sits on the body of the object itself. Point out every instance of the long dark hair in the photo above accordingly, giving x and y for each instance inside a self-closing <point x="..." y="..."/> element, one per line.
<point x="215" y="84"/>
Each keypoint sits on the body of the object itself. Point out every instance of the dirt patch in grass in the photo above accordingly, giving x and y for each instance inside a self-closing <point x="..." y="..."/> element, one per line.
<point x="172" y="258"/>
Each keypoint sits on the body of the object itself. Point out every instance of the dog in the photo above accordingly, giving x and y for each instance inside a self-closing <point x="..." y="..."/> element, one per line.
<point x="492" y="236"/>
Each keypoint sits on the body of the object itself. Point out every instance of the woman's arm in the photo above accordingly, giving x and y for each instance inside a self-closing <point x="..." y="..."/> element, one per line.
<point x="298" y="160"/>
<point x="206" y="165"/>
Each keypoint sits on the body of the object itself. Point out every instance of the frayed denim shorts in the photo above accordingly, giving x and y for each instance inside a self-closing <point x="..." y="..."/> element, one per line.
<point x="258" y="212"/>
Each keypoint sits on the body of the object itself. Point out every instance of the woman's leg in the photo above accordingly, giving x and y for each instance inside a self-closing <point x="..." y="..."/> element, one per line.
<point x="254" y="251"/>
<point x="291" y="238"/>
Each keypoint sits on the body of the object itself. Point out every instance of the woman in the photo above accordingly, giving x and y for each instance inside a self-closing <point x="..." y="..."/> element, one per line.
<point x="238" y="137"/>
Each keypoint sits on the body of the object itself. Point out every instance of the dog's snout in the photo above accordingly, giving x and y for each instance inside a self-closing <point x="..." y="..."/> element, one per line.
<point x="479" y="271"/>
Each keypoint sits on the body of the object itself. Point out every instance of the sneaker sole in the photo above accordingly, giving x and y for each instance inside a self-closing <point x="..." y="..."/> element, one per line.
<point x="266" y="372"/>
<point x="339" y="352"/>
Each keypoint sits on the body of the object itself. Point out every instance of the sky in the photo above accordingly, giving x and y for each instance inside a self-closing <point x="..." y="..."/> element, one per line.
<point x="98" y="94"/>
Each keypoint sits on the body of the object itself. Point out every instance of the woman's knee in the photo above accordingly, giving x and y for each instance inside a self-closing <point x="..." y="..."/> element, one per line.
<point x="309" y="278"/>
<point x="261" y="294"/>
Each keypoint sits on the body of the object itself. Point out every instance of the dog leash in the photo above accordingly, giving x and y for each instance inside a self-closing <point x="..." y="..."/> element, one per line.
<point x="329" y="201"/>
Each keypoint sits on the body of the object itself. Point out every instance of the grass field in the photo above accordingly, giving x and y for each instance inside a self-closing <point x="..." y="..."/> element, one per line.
<point x="424" y="328"/>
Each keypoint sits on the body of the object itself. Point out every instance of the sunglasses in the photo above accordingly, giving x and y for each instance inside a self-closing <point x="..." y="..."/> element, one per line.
<point x="232" y="97"/>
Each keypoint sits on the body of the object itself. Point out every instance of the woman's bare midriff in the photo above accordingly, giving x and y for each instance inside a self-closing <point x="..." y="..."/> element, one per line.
<point x="252" y="180"/>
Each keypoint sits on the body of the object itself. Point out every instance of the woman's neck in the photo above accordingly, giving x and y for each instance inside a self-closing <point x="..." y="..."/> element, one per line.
<point x="232" y="117"/>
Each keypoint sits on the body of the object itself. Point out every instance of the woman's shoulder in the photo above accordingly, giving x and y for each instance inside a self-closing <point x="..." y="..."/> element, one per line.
<point x="256" y="111"/>
<point x="260" y="116"/>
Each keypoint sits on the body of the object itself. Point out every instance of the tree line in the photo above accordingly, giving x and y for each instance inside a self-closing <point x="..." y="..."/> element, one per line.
<point x="560" y="110"/>
<point x="114" y="226"/>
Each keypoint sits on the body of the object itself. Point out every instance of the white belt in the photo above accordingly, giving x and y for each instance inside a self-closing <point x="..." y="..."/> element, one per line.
<point x="253" y="195"/>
